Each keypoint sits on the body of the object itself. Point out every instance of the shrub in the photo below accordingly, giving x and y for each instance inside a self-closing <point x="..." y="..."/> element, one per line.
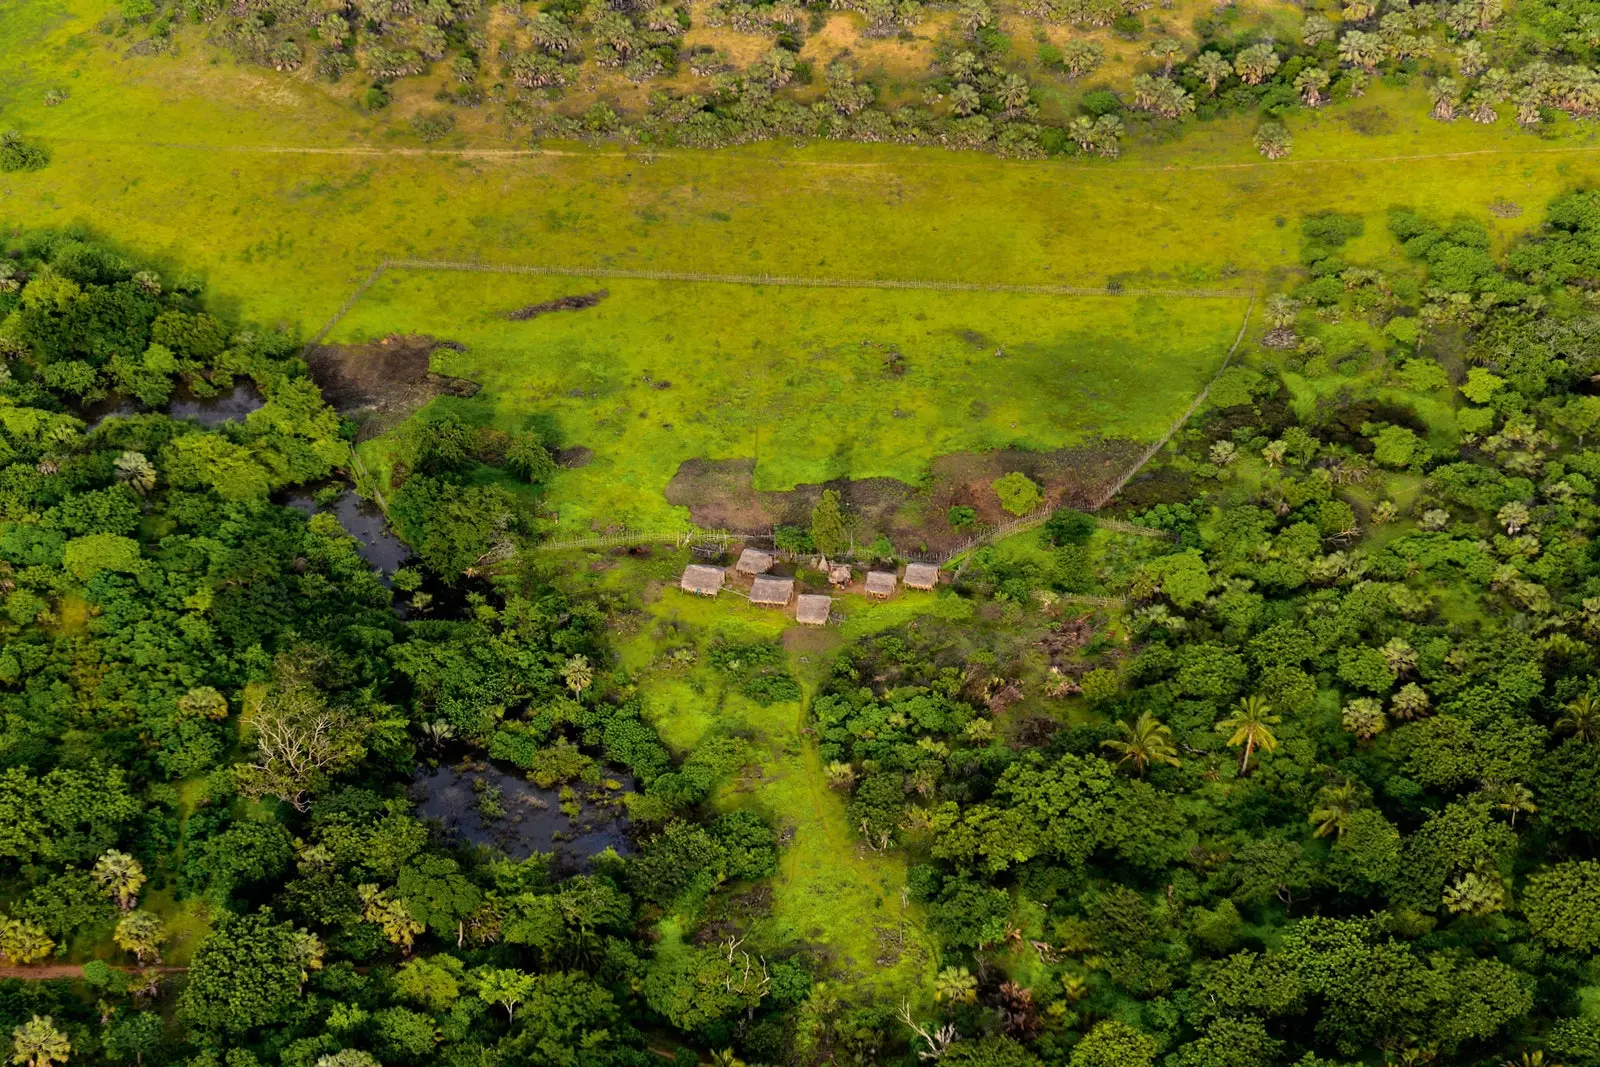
<point x="1018" y="493"/>
<point x="1068" y="526"/>
<point x="433" y="125"/>
<point x="17" y="154"/>
<point x="962" y="517"/>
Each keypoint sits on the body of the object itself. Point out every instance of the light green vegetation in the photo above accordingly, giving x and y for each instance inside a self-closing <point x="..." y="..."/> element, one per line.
<point x="179" y="156"/>
<point x="831" y="892"/>
<point x="813" y="385"/>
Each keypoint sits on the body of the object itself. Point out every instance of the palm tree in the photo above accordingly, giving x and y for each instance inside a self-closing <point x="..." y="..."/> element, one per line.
<point x="1147" y="741"/>
<point x="1361" y="49"/>
<point x="1309" y="84"/>
<point x="1081" y="57"/>
<point x="1336" y="804"/>
<point x="38" y="1043"/>
<point x="136" y="472"/>
<point x="1251" y="725"/>
<point x="964" y="100"/>
<point x="141" y="933"/>
<point x="956" y="986"/>
<point x="1014" y="93"/>
<point x="578" y="674"/>
<point x="1411" y="702"/>
<point x="1272" y="139"/>
<point x="1316" y="29"/>
<point x="1167" y="50"/>
<point x="1581" y="719"/>
<point x="1444" y="99"/>
<point x="1211" y="68"/>
<point x="120" y="874"/>
<point x="1255" y="64"/>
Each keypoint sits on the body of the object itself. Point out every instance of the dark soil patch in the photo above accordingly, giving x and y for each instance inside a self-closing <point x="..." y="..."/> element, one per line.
<point x="382" y="382"/>
<point x="719" y="493"/>
<point x="574" y="457"/>
<point x="565" y="303"/>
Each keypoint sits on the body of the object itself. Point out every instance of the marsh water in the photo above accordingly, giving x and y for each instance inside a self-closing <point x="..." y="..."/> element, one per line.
<point x="361" y="519"/>
<point x="481" y="803"/>
<point x="231" y="406"/>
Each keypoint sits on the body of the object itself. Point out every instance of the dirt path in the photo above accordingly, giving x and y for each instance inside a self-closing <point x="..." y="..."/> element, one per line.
<point x="46" y="972"/>
<point x="839" y="164"/>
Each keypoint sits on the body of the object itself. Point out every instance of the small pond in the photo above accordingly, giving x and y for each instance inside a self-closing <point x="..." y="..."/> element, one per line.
<point x="227" y="407"/>
<point x="481" y="803"/>
<point x="361" y="519"/>
<point x="231" y="406"/>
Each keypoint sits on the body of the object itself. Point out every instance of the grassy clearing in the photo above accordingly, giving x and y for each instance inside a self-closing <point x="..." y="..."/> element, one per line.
<point x="289" y="234"/>
<point x="830" y="894"/>
<point x="662" y="372"/>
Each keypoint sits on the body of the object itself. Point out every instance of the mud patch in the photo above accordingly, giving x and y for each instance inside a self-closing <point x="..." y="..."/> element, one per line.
<point x="380" y="383"/>
<point x="566" y="303"/>
<point x="574" y="457"/>
<point x="720" y="495"/>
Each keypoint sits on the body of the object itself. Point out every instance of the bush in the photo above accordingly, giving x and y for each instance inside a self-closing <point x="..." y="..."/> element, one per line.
<point x="17" y="154"/>
<point x="1100" y="102"/>
<point x="962" y="517"/>
<point x="1068" y="526"/>
<point x="433" y="125"/>
<point x="1018" y="493"/>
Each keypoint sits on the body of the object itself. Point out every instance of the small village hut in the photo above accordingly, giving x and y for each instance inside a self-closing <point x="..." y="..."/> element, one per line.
<point x="702" y="580"/>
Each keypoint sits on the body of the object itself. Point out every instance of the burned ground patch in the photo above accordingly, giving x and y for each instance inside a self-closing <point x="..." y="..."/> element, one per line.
<point x="565" y="303"/>
<point x="720" y="494"/>
<point x="382" y="382"/>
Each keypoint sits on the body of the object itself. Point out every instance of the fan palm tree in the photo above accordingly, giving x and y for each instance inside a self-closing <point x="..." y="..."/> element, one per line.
<point x="1581" y="719"/>
<point x="1255" y="64"/>
<point x="136" y="472"/>
<point x="1147" y="741"/>
<point x="121" y="875"/>
<point x="1250" y="724"/>
<point x="37" y="1043"/>
<point x="1272" y="139"/>
<point x="1212" y="69"/>
<point x="1167" y="50"/>
<point x="578" y="674"/>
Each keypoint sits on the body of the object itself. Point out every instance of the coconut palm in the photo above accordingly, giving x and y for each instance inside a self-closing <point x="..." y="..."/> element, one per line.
<point x="121" y="875"/>
<point x="1212" y="69"/>
<point x="136" y="472"/>
<point x="1250" y="724"/>
<point x="955" y="985"/>
<point x="1147" y="741"/>
<point x="37" y="1043"/>
<point x="1335" y="805"/>
<point x="1581" y="719"/>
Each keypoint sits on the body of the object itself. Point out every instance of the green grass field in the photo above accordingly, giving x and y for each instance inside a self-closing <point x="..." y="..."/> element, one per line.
<point x="285" y="198"/>
<point x="662" y="372"/>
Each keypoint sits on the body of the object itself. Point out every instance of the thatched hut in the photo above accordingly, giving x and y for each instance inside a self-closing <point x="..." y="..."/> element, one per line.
<point x="881" y="583"/>
<point x="702" y="580"/>
<point x="813" y="610"/>
<point x="773" y="592"/>
<point x="921" y="575"/>
<point x="754" y="561"/>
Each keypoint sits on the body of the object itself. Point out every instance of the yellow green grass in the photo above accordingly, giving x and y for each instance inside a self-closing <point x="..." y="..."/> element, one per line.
<point x="285" y="198"/>
<point x="799" y="379"/>
<point x="832" y="894"/>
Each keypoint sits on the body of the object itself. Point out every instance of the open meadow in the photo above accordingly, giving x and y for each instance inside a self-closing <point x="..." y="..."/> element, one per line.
<point x="805" y="386"/>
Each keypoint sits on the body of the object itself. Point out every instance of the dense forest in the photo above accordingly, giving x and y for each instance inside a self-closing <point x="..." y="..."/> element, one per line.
<point x="1323" y="794"/>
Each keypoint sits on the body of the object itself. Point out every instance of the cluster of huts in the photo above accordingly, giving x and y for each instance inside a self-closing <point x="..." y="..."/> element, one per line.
<point x="813" y="609"/>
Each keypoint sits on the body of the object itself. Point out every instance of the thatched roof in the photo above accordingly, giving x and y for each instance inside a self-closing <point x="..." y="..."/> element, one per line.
<point x="701" y="579"/>
<point x="921" y="575"/>
<point x="813" y="610"/>
<point x="754" y="561"/>
<point x="776" y="591"/>
<point x="881" y="583"/>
